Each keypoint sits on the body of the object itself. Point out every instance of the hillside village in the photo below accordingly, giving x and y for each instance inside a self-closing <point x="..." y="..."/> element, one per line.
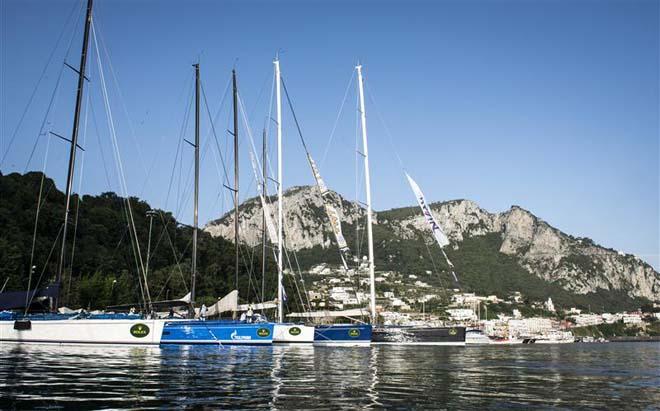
<point x="408" y="299"/>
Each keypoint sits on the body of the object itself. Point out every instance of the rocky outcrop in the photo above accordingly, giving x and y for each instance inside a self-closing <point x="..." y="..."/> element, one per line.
<point x="577" y="264"/>
<point x="305" y="223"/>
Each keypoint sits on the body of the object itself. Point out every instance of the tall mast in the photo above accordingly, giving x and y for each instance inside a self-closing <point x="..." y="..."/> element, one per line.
<point x="263" y="216"/>
<point x="367" y="178"/>
<point x="280" y="262"/>
<point x="74" y="144"/>
<point x="195" y="218"/>
<point x="236" y="235"/>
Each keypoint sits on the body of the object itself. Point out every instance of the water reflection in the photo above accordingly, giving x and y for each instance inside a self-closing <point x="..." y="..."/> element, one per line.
<point x="304" y="377"/>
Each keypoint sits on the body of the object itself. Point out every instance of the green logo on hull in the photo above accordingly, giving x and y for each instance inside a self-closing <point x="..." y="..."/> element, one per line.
<point x="263" y="332"/>
<point x="295" y="331"/>
<point x="354" y="332"/>
<point x="452" y="331"/>
<point x="139" y="330"/>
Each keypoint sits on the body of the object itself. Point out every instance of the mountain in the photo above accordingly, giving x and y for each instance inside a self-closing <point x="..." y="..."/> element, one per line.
<point x="493" y="252"/>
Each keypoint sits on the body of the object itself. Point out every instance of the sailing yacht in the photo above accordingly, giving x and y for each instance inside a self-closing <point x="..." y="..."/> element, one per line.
<point x="76" y="327"/>
<point x="79" y="327"/>
<point x="199" y="331"/>
<point x="284" y="332"/>
<point x="356" y="333"/>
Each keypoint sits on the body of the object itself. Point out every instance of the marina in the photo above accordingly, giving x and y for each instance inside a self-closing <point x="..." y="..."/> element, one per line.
<point x="374" y="205"/>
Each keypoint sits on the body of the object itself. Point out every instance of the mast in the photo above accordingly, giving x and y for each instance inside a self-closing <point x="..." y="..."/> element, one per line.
<point x="195" y="218"/>
<point x="367" y="178"/>
<point x="263" y="216"/>
<point x="74" y="145"/>
<point x="278" y="102"/>
<point x="236" y="235"/>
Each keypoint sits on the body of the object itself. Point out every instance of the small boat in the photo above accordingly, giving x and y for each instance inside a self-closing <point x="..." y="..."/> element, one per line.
<point x="476" y="337"/>
<point x="357" y="333"/>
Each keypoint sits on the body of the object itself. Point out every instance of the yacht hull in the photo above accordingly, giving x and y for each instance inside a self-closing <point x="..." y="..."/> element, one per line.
<point x="217" y="332"/>
<point x="343" y="334"/>
<point x="419" y="335"/>
<point x="293" y="333"/>
<point x="82" y="331"/>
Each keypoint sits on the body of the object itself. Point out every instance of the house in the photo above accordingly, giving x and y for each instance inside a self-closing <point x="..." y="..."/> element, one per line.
<point x="632" y="318"/>
<point x="461" y="314"/>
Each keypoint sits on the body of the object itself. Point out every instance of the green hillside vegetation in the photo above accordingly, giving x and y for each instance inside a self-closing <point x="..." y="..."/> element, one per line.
<point x="617" y="329"/>
<point x="104" y="264"/>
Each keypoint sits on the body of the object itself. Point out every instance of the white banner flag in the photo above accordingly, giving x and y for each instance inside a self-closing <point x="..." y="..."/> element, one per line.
<point x="440" y="237"/>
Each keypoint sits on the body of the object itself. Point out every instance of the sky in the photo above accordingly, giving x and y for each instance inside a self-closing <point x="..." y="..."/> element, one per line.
<point x="549" y="105"/>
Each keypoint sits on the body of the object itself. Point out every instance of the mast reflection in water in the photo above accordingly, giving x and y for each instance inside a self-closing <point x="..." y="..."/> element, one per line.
<point x="621" y="375"/>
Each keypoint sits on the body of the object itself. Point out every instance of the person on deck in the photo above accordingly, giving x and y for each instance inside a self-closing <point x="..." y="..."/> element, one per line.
<point x="250" y="313"/>
<point x="202" y="312"/>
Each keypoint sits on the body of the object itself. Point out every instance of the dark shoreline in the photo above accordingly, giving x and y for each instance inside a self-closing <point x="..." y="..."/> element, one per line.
<point x="655" y="338"/>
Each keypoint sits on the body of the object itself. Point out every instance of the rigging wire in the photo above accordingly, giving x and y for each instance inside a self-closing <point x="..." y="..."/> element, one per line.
<point x="254" y="158"/>
<point x="36" y="219"/>
<point x="256" y="179"/>
<point x="41" y="77"/>
<point x="43" y="270"/>
<point x="121" y="99"/>
<point x="120" y="172"/>
<point x="52" y="103"/>
<point x="403" y="169"/>
<point x="78" y="197"/>
<point x="334" y="127"/>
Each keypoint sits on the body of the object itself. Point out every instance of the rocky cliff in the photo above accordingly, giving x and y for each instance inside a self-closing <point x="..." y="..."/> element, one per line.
<point x="577" y="265"/>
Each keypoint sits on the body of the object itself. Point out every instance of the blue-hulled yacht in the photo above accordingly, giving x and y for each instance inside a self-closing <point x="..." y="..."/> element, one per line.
<point x="342" y="334"/>
<point x="217" y="332"/>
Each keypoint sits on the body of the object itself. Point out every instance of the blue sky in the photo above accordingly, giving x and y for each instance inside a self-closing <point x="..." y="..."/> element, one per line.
<point x="550" y="105"/>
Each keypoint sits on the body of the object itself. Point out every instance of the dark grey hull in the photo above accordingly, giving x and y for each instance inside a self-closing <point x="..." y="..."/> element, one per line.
<point x="419" y="335"/>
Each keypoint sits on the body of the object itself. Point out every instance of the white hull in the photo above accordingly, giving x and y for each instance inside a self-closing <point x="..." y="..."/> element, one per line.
<point x="292" y="333"/>
<point x="84" y="331"/>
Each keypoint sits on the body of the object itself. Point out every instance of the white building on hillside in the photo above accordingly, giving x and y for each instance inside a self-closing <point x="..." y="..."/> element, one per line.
<point x="461" y="314"/>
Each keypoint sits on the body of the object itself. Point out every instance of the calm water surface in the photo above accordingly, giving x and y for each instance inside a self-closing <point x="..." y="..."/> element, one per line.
<point x="594" y="376"/>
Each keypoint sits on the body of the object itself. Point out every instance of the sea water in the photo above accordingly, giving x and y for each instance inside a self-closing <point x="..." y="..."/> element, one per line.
<point x="568" y="376"/>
